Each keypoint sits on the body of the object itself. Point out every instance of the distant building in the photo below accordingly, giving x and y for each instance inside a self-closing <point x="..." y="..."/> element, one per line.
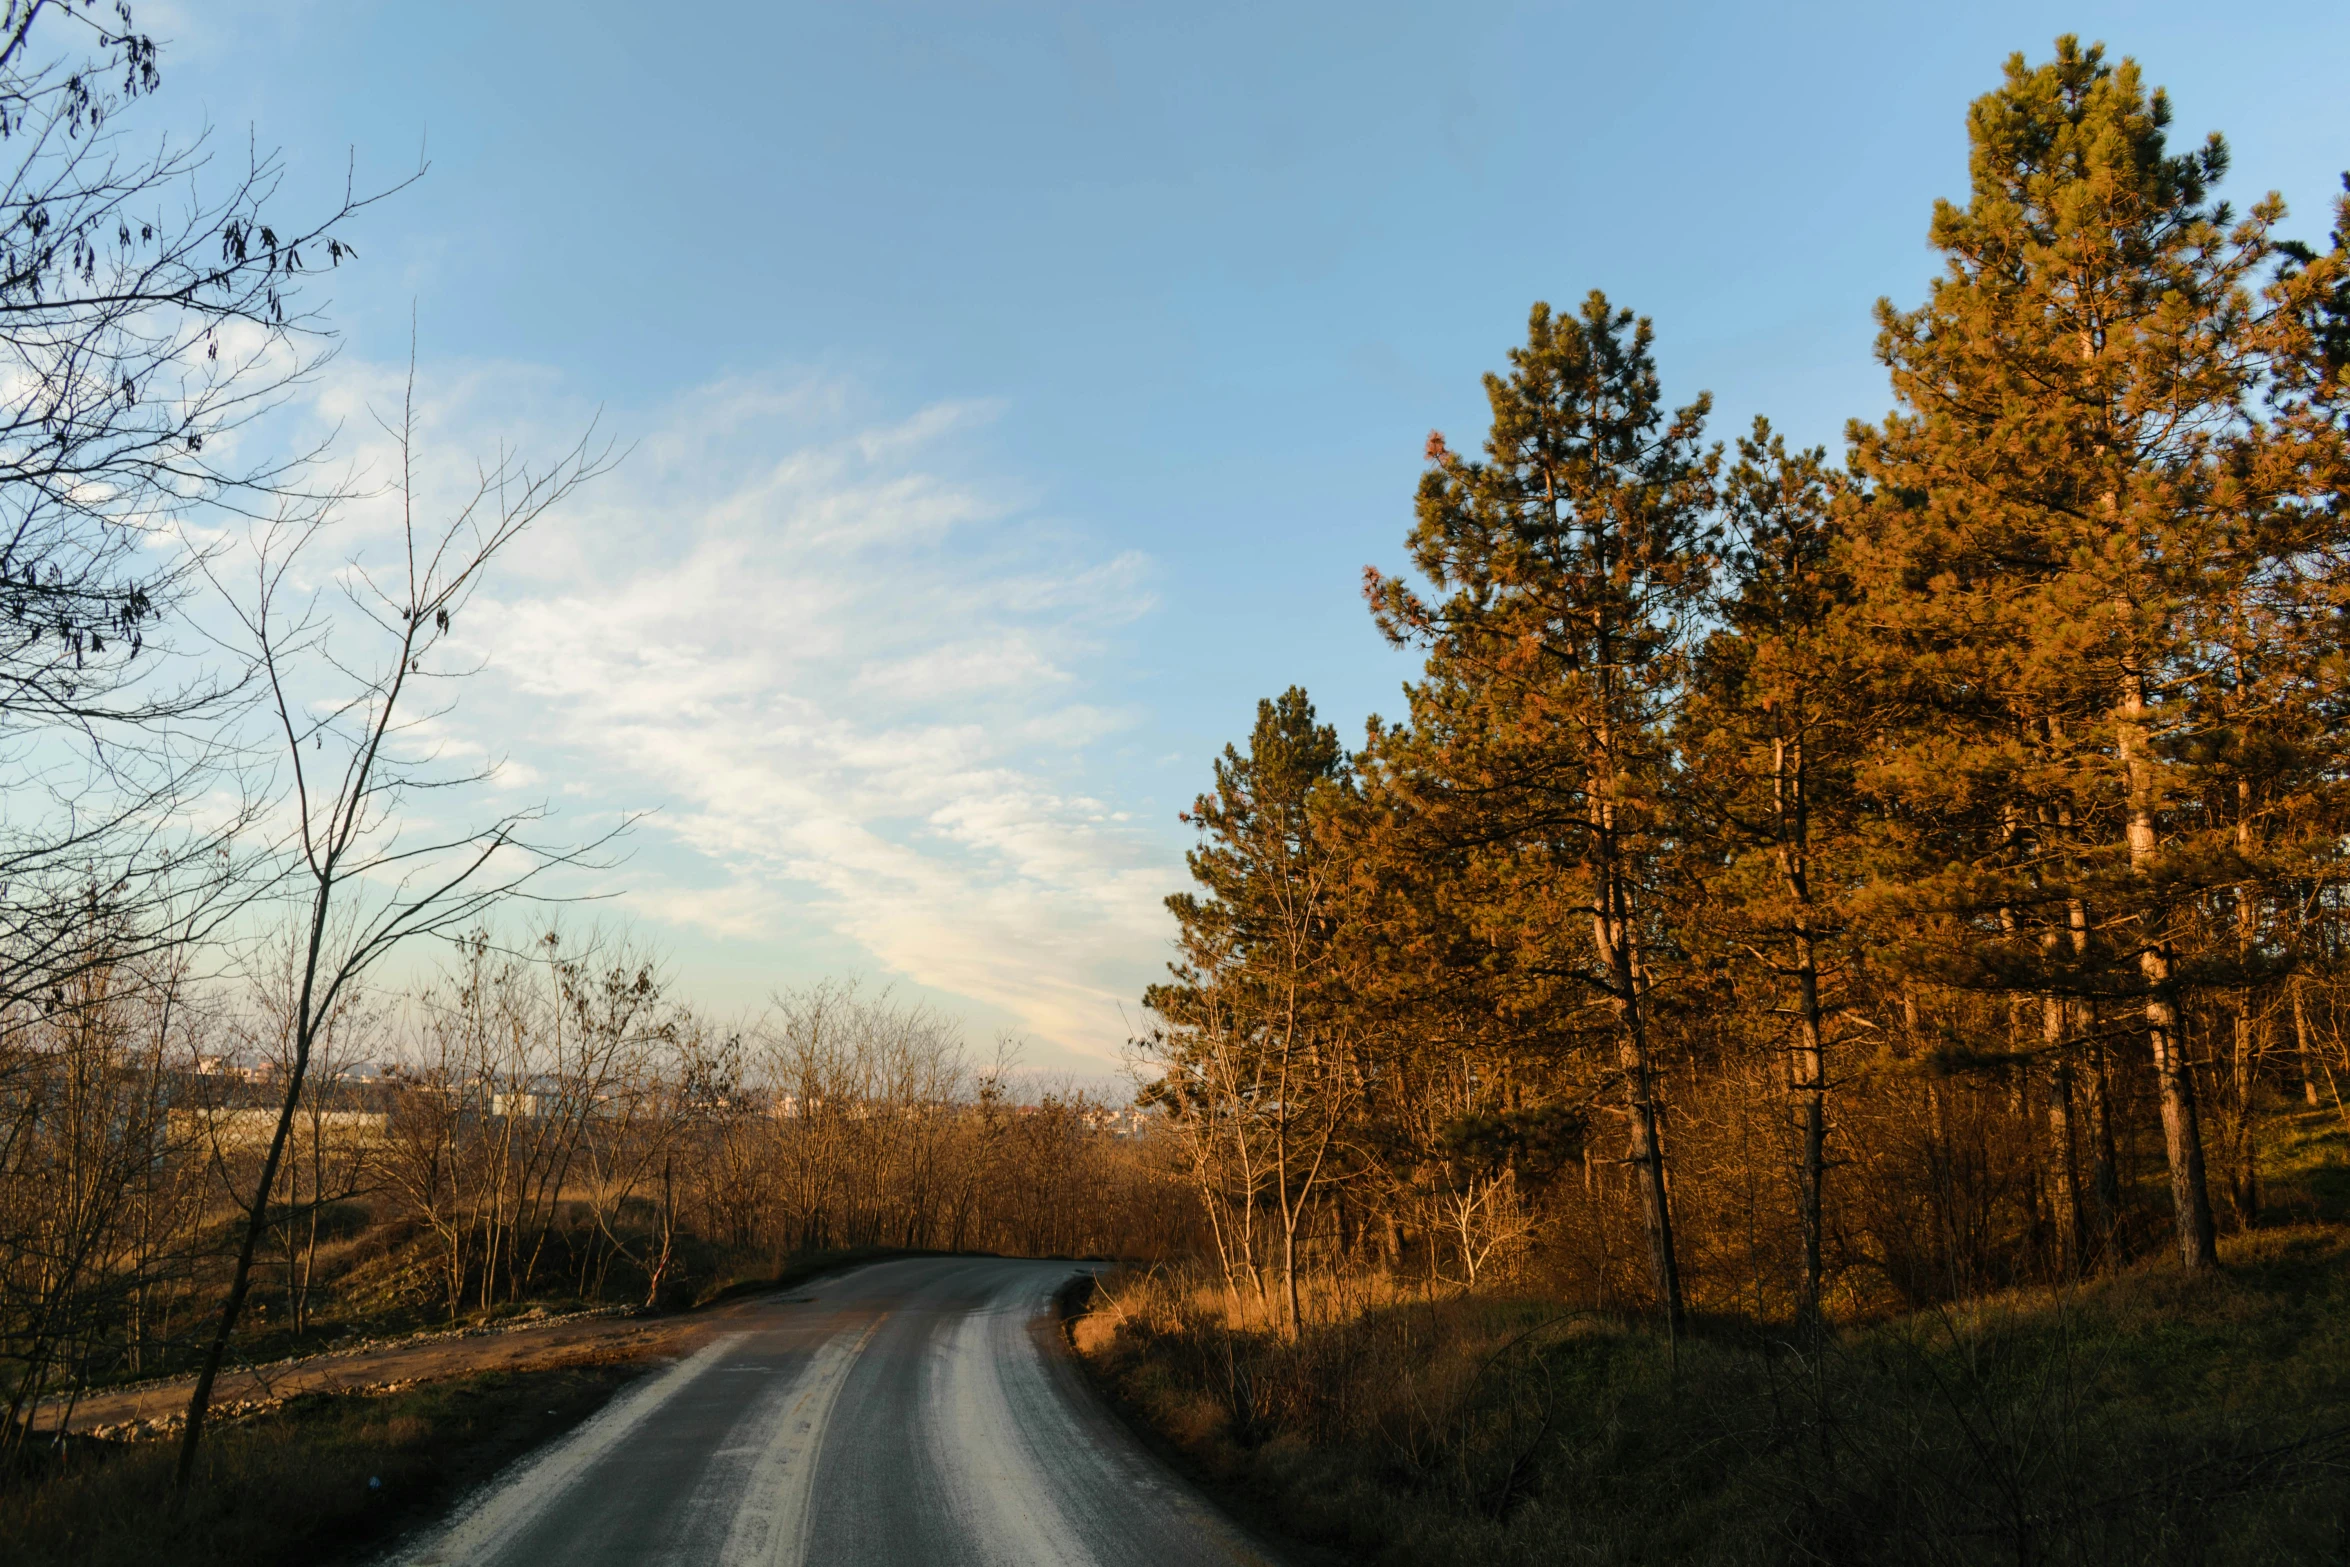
<point x="235" y="1129"/>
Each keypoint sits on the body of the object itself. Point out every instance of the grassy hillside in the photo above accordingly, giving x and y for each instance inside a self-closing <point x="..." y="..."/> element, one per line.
<point x="2143" y="1417"/>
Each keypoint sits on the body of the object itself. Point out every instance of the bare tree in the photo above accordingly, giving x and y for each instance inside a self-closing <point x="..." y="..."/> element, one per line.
<point x="85" y="1177"/>
<point x="149" y="309"/>
<point x="332" y="1147"/>
<point x="363" y="877"/>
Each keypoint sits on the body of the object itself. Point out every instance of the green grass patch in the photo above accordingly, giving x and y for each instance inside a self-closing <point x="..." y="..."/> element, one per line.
<point x="2305" y="1166"/>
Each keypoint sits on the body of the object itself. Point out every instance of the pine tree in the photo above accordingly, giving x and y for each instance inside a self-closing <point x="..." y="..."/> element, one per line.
<point x="1774" y="726"/>
<point x="2053" y="501"/>
<point x="1248" y="1009"/>
<point x="1568" y="569"/>
<point x="2308" y="458"/>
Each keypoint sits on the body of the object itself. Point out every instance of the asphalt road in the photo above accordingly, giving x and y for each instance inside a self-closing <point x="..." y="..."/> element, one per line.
<point x="911" y="1412"/>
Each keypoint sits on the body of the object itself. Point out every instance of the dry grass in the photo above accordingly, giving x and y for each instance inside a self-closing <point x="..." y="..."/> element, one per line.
<point x="323" y="1480"/>
<point x="2146" y="1418"/>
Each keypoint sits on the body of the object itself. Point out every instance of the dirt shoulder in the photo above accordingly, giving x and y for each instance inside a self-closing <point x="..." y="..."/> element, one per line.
<point x="587" y="1338"/>
<point x="608" y="1336"/>
<point x="612" y="1336"/>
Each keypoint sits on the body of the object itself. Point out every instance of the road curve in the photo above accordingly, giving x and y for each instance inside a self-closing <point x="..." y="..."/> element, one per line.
<point x="913" y="1412"/>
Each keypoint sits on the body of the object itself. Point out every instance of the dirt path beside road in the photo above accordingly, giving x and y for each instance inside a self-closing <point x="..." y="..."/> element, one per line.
<point x="598" y="1338"/>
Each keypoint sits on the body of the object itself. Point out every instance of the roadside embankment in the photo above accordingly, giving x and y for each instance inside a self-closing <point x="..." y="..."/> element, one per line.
<point x="2147" y="1417"/>
<point x="318" y="1479"/>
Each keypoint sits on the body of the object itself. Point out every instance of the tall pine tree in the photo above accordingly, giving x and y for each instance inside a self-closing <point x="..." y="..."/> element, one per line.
<point x="1568" y="569"/>
<point x="2053" y="500"/>
<point x="1774" y="725"/>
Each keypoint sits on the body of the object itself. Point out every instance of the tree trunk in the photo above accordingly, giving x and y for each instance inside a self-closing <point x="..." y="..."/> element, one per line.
<point x="2244" y="1162"/>
<point x="1281" y="1191"/>
<point x="2244" y="1154"/>
<point x="1646" y="1153"/>
<point x="2182" y="1134"/>
<point x="1811" y="1088"/>
<point x="2105" y="1180"/>
<point x="1791" y="819"/>
<point x="200" y="1397"/>
<point x="2064" y="1168"/>
<point x="2301" y="1047"/>
<point x="658" y="1273"/>
<point x="1289" y="1273"/>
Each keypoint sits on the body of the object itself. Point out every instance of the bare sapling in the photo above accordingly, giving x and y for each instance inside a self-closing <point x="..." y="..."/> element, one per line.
<point x="362" y="878"/>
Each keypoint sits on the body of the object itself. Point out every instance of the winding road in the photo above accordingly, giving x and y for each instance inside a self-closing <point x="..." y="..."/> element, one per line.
<point x="912" y="1412"/>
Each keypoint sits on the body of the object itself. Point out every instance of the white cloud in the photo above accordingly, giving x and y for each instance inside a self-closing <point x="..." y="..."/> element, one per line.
<point x="859" y="686"/>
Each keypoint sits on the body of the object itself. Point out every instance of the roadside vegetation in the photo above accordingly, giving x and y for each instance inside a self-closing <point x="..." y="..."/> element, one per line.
<point x="467" y="1192"/>
<point x="1819" y="1035"/>
<point x="2144" y="1416"/>
<point x="557" y="1138"/>
<point x="324" y="1479"/>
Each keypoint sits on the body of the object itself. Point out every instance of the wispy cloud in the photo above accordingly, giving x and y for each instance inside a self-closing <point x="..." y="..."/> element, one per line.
<point x="856" y="683"/>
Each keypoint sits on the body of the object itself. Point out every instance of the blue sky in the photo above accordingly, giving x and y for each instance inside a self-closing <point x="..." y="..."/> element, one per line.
<point x="1017" y="392"/>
